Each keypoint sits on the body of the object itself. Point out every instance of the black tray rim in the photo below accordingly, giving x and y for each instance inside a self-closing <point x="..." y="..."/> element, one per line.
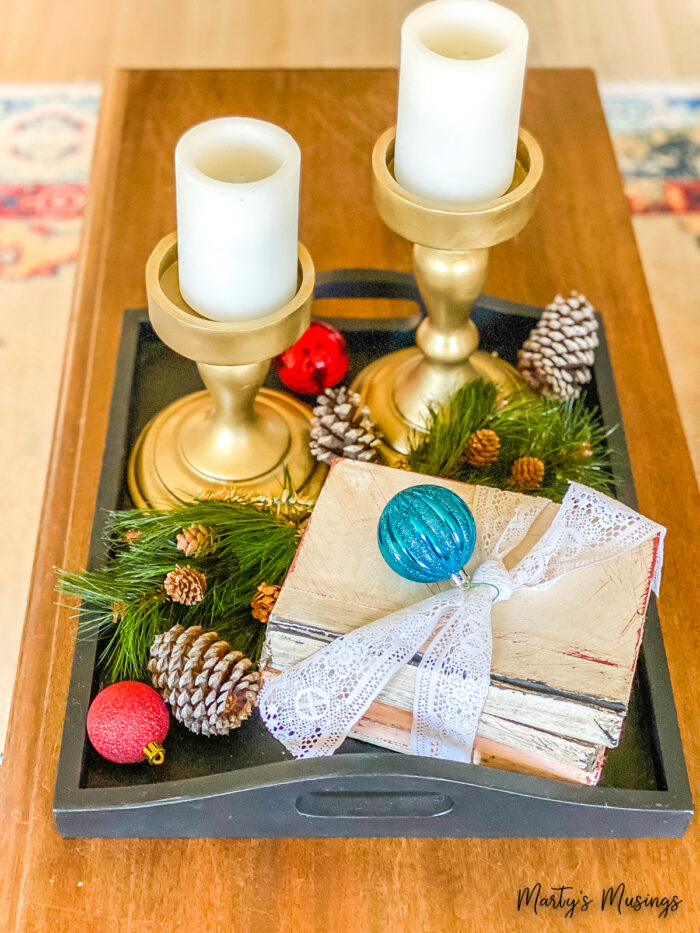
<point x="606" y="811"/>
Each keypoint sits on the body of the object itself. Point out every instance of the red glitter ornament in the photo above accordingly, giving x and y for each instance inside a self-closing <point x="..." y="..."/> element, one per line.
<point x="317" y="361"/>
<point x="127" y="722"/>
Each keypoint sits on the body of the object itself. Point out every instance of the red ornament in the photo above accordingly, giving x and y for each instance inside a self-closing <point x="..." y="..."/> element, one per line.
<point x="317" y="361"/>
<point x="127" y="722"/>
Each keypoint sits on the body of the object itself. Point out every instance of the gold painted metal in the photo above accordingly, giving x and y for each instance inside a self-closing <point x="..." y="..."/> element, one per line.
<point x="450" y="260"/>
<point x="154" y="753"/>
<point x="235" y="433"/>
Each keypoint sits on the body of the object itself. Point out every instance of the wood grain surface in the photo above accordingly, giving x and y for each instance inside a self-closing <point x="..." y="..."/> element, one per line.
<point x="579" y="238"/>
<point x="76" y="39"/>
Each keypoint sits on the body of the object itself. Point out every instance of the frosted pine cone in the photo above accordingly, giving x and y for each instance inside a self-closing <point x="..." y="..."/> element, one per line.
<point x="210" y="688"/>
<point x="557" y="356"/>
<point x="340" y="428"/>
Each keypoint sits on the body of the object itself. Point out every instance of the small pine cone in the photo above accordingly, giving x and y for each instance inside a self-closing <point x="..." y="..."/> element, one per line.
<point x="527" y="473"/>
<point x="340" y="428"/>
<point x="264" y="601"/>
<point x="185" y="585"/>
<point x="583" y="450"/>
<point x="210" y="688"/>
<point x="195" y="540"/>
<point x="118" y="610"/>
<point x="482" y="448"/>
<point x="557" y="356"/>
<point x="132" y="536"/>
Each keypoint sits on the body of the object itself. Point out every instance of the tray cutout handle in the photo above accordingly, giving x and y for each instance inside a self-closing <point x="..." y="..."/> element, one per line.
<point x="373" y="804"/>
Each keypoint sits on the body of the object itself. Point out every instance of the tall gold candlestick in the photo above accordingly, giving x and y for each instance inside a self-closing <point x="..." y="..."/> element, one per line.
<point x="235" y="433"/>
<point x="450" y="260"/>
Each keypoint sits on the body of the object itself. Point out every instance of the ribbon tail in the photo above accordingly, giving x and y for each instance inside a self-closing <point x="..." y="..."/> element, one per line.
<point x="453" y="681"/>
<point x="312" y="707"/>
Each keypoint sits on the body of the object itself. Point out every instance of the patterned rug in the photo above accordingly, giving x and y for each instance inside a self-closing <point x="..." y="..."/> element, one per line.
<point x="656" y="134"/>
<point x="46" y="140"/>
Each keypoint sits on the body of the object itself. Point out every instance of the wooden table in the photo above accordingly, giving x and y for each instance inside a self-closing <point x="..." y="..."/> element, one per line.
<point x="579" y="238"/>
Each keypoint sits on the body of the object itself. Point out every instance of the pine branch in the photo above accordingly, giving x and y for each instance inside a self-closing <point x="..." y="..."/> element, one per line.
<point x="438" y="452"/>
<point x="567" y="436"/>
<point x="125" y="601"/>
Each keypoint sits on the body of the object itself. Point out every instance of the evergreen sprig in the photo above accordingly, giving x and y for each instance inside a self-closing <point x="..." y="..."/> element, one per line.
<point x="568" y="437"/>
<point x="438" y="452"/>
<point x="125" y="601"/>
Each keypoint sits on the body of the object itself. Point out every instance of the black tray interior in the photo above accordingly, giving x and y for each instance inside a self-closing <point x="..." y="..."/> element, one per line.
<point x="160" y="376"/>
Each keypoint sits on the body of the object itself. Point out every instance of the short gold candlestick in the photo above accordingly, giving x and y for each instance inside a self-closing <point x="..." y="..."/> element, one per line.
<point x="450" y="259"/>
<point x="235" y="433"/>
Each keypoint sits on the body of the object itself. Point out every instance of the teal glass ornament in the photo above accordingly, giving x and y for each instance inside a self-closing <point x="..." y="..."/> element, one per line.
<point x="426" y="534"/>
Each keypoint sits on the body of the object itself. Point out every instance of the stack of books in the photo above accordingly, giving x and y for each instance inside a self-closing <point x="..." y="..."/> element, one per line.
<point x="563" y="658"/>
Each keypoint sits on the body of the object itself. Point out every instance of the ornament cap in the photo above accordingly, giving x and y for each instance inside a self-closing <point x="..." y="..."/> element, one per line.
<point x="154" y="753"/>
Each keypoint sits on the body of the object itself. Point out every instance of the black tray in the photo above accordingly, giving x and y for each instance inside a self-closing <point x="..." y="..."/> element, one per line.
<point x="247" y="784"/>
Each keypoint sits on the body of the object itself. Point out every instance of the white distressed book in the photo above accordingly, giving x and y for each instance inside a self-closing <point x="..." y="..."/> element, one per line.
<point x="563" y="658"/>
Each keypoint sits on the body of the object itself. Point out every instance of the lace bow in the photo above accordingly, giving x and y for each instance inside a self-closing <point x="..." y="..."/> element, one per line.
<point x="312" y="707"/>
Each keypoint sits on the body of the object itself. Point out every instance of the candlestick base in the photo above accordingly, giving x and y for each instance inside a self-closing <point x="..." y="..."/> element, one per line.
<point x="377" y="385"/>
<point x="162" y="475"/>
<point x="235" y="435"/>
<point x="450" y="260"/>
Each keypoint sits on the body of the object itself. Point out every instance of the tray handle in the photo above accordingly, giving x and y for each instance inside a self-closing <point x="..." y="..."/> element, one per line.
<point x="373" y="804"/>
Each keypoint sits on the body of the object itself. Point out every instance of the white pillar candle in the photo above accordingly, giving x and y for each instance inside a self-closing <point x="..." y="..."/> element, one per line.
<point x="460" y="88"/>
<point x="237" y="187"/>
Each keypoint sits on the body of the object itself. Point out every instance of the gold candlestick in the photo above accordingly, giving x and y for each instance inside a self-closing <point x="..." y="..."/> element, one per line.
<point x="235" y="433"/>
<point x="450" y="259"/>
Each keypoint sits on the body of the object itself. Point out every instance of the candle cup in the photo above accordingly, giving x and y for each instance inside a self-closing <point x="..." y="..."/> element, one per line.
<point x="234" y="434"/>
<point x="450" y="260"/>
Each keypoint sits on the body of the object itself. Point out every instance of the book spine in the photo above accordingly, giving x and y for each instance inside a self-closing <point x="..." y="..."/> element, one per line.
<point x="498" y="744"/>
<point x="567" y="716"/>
<point x="380" y="726"/>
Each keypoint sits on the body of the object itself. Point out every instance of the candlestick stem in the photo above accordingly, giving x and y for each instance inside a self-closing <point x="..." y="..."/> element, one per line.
<point x="236" y="438"/>
<point x="449" y="282"/>
<point x="450" y="261"/>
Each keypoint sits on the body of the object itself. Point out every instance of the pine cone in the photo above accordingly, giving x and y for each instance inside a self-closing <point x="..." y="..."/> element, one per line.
<point x="264" y="601"/>
<point x="209" y="687"/>
<point x="118" y="610"/>
<point x="340" y="428"/>
<point x="482" y="448"/>
<point x="557" y="356"/>
<point x="131" y="536"/>
<point x="527" y="473"/>
<point x="185" y="585"/>
<point x="195" y="540"/>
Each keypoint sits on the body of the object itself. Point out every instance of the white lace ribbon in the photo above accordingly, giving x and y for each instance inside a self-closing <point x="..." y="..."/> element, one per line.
<point x="312" y="707"/>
